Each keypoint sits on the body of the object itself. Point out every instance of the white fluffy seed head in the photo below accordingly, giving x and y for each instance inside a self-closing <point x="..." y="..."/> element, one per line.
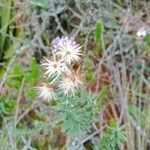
<point x="65" y="54"/>
<point x="67" y="48"/>
<point x="70" y="83"/>
<point x="54" y="67"/>
<point x="71" y="54"/>
<point x="46" y="92"/>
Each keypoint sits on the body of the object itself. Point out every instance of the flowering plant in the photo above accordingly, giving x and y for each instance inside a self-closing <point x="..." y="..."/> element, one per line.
<point x="61" y="69"/>
<point x="75" y="107"/>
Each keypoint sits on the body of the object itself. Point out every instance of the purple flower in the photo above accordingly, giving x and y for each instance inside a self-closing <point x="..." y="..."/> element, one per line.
<point x="58" y="42"/>
<point x="67" y="49"/>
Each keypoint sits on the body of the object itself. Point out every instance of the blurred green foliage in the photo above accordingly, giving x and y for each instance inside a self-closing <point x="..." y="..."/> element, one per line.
<point x="6" y="106"/>
<point x="30" y="75"/>
<point x="147" y="40"/>
<point x="76" y="113"/>
<point x="98" y="30"/>
<point x="10" y="37"/>
<point x="103" y="95"/>
<point x="42" y="4"/>
<point x="114" y="136"/>
<point x="98" y="35"/>
<point x="5" y="21"/>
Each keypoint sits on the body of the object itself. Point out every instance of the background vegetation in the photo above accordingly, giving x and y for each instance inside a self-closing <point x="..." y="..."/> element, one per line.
<point x="116" y="67"/>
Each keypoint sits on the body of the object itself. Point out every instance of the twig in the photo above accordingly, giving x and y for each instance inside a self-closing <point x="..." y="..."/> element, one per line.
<point x="75" y="13"/>
<point x="59" y="24"/>
<point x="78" y="30"/>
<point x="18" y="100"/>
<point x="12" y="20"/>
<point x="33" y="106"/>
<point x="137" y="127"/>
<point x="91" y="136"/>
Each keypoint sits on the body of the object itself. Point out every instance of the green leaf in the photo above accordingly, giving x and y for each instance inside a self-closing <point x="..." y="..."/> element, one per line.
<point x="90" y="76"/>
<point x="61" y="117"/>
<point x="8" y="53"/>
<point x="114" y="136"/>
<point x="6" y="106"/>
<point x="68" y="124"/>
<point x="98" y="30"/>
<point x="89" y="64"/>
<point x="147" y="40"/>
<point x="41" y="3"/>
<point x="16" y="76"/>
<point x="17" y="71"/>
<point x="134" y="110"/>
<point x="33" y="73"/>
<point x="30" y="93"/>
<point x="103" y="94"/>
<point x="5" y="16"/>
<point x="75" y="114"/>
<point x="14" y="83"/>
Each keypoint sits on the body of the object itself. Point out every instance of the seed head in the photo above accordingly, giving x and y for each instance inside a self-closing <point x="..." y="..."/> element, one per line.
<point x="46" y="92"/>
<point x="54" y="66"/>
<point x="70" y="83"/>
<point x="67" y="48"/>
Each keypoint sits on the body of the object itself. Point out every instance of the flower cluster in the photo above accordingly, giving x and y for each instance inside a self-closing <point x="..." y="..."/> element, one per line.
<point x="62" y="69"/>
